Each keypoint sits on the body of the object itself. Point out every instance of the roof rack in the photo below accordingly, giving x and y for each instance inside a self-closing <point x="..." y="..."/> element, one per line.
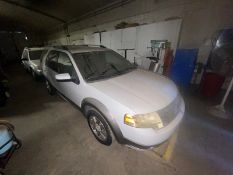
<point x="66" y="47"/>
<point x="60" y="47"/>
<point x="33" y="46"/>
<point x="91" y="45"/>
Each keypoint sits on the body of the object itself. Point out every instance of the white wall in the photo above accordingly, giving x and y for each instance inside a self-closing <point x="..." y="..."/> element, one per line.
<point x="138" y="38"/>
<point x="201" y="19"/>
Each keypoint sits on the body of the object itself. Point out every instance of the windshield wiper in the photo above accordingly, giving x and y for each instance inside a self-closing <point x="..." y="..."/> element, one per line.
<point x="110" y="68"/>
<point x="128" y="69"/>
<point x="90" y="76"/>
<point x="102" y="75"/>
<point x="94" y="76"/>
<point x="106" y="70"/>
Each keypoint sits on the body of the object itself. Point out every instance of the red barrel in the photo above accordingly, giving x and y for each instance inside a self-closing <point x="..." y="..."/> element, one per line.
<point x="211" y="84"/>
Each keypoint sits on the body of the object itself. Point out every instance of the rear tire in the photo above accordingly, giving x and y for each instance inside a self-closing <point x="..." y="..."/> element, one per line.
<point x="51" y="90"/>
<point x="99" y="127"/>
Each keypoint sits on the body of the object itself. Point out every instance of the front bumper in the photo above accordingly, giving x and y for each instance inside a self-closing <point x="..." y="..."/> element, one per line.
<point x="148" y="137"/>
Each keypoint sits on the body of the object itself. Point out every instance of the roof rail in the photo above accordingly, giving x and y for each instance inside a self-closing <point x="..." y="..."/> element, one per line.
<point x="60" y="47"/>
<point x="92" y="45"/>
<point x="66" y="47"/>
<point x="33" y="46"/>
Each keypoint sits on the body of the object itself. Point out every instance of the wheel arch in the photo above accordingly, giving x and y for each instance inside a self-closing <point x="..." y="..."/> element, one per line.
<point x="100" y="107"/>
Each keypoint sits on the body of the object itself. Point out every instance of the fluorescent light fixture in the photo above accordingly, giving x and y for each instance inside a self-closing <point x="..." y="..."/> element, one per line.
<point x="19" y="32"/>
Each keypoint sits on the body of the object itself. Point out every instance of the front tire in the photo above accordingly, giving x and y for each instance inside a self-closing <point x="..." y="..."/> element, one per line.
<point x="99" y="127"/>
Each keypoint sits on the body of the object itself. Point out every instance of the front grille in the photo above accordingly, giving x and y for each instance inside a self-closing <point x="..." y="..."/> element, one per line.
<point x="168" y="113"/>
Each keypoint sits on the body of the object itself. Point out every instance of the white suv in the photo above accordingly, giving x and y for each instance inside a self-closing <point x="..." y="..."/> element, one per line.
<point x="135" y="106"/>
<point x="31" y="59"/>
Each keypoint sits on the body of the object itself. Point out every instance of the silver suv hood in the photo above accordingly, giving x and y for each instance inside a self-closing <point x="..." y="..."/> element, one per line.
<point x="141" y="91"/>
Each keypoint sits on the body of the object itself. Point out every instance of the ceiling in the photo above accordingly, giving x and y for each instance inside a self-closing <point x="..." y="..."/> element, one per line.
<point x="46" y="15"/>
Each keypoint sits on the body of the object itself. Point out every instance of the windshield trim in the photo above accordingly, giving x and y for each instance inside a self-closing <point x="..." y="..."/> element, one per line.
<point x="104" y="77"/>
<point x="109" y="77"/>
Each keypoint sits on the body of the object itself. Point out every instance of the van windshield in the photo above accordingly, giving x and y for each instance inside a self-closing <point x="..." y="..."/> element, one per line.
<point x="101" y="64"/>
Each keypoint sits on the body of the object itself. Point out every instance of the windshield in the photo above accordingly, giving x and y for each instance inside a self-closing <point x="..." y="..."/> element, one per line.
<point x="35" y="55"/>
<point x="101" y="64"/>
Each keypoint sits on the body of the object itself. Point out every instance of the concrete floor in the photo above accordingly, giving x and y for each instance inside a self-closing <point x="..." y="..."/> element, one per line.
<point x="56" y="139"/>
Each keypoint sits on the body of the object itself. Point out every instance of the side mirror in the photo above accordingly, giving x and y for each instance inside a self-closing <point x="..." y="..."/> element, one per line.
<point x="63" y="77"/>
<point x="24" y="59"/>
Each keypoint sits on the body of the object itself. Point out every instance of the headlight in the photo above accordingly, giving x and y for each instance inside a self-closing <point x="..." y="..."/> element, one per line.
<point x="151" y="120"/>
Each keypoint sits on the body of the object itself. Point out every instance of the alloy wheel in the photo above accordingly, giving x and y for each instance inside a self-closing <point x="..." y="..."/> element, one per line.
<point x="98" y="128"/>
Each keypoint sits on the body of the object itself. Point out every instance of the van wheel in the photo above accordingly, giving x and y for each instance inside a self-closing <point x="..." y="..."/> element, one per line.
<point x="51" y="90"/>
<point x="99" y="127"/>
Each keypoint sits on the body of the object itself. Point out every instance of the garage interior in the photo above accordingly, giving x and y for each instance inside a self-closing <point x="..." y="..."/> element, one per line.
<point x="182" y="34"/>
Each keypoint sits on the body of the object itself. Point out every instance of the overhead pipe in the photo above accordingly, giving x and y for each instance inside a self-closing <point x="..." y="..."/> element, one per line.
<point x="101" y="10"/>
<point x="65" y="24"/>
<point x="15" y="3"/>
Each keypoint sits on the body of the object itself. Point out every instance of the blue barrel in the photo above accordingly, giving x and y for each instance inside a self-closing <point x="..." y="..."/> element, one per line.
<point x="183" y="66"/>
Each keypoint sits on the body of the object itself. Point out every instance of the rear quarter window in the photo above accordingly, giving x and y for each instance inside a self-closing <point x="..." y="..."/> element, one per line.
<point x="35" y="54"/>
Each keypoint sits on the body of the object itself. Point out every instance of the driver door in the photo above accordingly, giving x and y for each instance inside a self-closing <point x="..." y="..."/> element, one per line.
<point x="70" y="89"/>
<point x="51" y="68"/>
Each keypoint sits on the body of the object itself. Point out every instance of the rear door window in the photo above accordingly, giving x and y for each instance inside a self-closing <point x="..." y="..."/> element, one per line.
<point x="65" y="65"/>
<point x="51" y="60"/>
